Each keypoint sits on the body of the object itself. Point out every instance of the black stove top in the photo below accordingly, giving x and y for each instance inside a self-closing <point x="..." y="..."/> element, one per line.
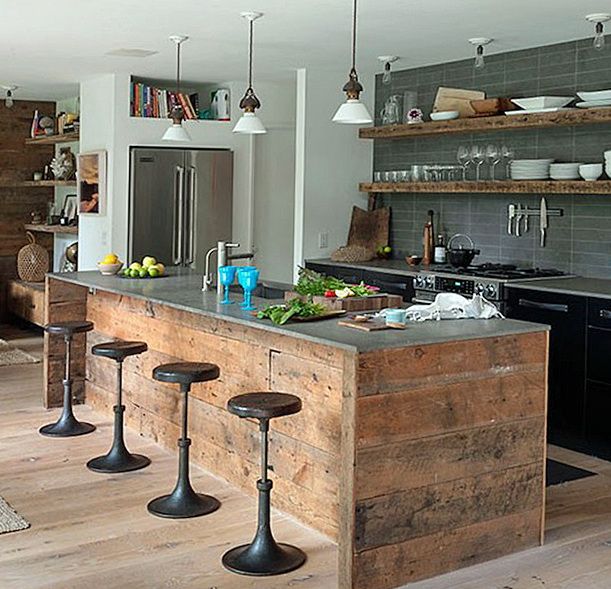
<point x="501" y="271"/>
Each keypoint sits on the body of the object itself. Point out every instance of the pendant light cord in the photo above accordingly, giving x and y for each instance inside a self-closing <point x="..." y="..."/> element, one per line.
<point x="354" y="35"/>
<point x="178" y="67"/>
<point x="250" y="45"/>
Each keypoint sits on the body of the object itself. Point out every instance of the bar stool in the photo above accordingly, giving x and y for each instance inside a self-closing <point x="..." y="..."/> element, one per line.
<point x="118" y="459"/>
<point x="67" y="425"/>
<point x="264" y="556"/>
<point x="183" y="501"/>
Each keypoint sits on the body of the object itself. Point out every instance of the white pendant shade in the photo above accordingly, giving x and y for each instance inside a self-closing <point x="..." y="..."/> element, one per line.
<point x="352" y="112"/>
<point x="176" y="133"/>
<point x="249" y="124"/>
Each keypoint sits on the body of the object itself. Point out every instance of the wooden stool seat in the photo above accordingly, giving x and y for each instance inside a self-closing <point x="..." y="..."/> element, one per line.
<point x="69" y="327"/>
<point x="264" y="405"/>
<point x="186" y="373"/>
<point x="119" y="350"/>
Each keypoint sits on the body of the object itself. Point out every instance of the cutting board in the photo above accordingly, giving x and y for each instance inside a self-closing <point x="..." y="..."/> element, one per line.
<point x="374" y="324"/>
<point x="371" y="303"/>
<point x="457" y="99"/>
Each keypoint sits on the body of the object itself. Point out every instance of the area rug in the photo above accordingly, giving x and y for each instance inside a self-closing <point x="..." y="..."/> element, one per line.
<point x="10" y="520"/>
<point x="559" y="472"/>
<point x="10" y="356"/>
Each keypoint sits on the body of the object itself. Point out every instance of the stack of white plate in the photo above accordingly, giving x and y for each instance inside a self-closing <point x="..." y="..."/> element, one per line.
<point x="608" y="163"/>
<point x="568" y="171"/>
<point x="530" y="169"/>
<point x="598" y="99"/>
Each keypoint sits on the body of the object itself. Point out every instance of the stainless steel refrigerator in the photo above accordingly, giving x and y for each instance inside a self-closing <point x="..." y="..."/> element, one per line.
<point x="180" y="203"/>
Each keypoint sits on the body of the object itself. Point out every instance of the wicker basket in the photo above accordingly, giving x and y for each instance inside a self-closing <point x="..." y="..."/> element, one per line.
<point x="32" y="261"/>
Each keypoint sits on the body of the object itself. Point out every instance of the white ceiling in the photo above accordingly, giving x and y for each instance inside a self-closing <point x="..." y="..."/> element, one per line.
<point x="47" y="47"/>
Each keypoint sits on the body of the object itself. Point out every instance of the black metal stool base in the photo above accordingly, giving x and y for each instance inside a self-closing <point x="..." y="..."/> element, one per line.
<point x="183" y="505"/>
<point x="110" y="463"/>
<point x="67" y="429"/>
<point x="263" y="559"/>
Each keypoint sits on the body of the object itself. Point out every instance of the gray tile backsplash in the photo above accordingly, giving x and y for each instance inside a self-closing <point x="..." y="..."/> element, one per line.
<point x="578" y="242"/>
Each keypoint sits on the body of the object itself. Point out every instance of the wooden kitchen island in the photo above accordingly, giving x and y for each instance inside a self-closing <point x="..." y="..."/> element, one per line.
<point x="417" y="451"/>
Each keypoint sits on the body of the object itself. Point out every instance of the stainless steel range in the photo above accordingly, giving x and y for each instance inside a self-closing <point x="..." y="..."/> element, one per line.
<point x="489" y="280"/>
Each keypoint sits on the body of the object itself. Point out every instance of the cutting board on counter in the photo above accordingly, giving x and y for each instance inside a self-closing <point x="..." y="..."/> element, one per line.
<point x="374" y="324"/>
<point x="370" y="303"/>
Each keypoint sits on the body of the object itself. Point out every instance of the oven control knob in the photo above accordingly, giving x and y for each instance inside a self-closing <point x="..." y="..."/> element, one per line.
<point x="479" y="288"/>
<point x="491" y="290"/>
<point x="419" y="281"/>
<point x="430" y="282"/>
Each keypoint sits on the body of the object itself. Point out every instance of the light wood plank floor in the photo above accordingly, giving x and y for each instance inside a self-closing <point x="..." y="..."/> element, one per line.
<point x="92" y="530"/>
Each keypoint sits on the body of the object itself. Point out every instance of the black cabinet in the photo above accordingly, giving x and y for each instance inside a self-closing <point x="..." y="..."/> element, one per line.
<point x="566" y="315"/>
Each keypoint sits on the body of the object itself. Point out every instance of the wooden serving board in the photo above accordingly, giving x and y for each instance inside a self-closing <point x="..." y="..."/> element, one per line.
<point x="351" y="304"/>
<point x="377" y="324"/>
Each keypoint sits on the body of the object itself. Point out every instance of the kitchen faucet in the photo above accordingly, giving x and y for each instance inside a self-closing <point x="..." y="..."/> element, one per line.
<point x="222" y="257"/>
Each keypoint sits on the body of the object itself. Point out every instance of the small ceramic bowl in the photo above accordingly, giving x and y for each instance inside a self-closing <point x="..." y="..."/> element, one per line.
<point x="413" y="260"/>
<point x="591" y="172"/>
<point x="445" y="115"/>
<point x="109" y="269"/>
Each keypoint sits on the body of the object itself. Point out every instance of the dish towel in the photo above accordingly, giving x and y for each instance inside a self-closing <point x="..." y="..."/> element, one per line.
<point x="454" y="306"/>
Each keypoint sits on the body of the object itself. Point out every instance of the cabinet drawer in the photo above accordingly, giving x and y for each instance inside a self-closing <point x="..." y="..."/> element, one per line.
<point x="599" y="313"/>
<point x="26" y="300"/>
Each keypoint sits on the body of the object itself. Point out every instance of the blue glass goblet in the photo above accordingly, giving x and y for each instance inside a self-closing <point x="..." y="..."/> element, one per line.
<point x="248" y="278"/>
<point x="227" y="276"/>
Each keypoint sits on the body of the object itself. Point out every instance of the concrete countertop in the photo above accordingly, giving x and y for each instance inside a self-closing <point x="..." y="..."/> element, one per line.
<point x="182" y="290"/>
<point x="573" y="285"/>
<point x="398" y="267"/>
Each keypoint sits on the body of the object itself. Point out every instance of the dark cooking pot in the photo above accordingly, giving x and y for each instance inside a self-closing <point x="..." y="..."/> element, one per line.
<point x="461" y="257"/>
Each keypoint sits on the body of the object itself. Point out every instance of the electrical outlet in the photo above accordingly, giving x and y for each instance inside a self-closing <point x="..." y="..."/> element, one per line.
<point x="323" y="240"/>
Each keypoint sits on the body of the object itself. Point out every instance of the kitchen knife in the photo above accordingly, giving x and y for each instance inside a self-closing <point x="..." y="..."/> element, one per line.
<point x="543" y="219"/>
<point x="519" y="216"/>
<point x="511" y="214"/>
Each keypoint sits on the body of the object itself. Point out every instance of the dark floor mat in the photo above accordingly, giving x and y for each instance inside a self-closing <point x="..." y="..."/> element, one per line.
<point x="559" y="472"/>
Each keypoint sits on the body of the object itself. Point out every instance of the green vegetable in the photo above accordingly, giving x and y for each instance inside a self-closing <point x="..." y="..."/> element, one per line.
<point x="311" y="283"/>
<point x="280" y="314"/>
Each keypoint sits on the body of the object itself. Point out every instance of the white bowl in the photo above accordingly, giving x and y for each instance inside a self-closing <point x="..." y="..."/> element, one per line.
<point x="109" y="269"/>
<point x="591" y="171"/>
<point x="598" y="95"/>
<point x="542" y="102"/>
<point x="445" y="115"/>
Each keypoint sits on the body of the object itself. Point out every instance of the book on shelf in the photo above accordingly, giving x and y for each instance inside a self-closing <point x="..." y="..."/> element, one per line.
<point x="150" y="102"/>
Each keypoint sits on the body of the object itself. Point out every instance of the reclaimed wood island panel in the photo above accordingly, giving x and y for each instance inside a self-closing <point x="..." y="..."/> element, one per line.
<point x="418" y="452"/>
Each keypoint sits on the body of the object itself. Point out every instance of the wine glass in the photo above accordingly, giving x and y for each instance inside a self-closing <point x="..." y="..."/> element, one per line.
<point x="507" y="155"/>
<point x="248" y="277"/>
<point x="464" y="159"/>
<point x="493" y="157"/>
<point x="477" y="157"/>
<point x="227" y="276"/>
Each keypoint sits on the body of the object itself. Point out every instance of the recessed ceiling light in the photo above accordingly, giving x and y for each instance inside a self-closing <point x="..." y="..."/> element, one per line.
<point x="131" y="53"/>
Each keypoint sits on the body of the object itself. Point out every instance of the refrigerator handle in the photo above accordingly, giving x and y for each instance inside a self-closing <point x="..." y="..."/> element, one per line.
<point x="192" y="193"/>
<point x="178" y="215"/>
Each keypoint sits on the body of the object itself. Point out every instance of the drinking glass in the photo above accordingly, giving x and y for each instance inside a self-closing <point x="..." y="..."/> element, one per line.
<point x="248" y="277"/>
<point x="477" y="157"/>
<point x="464" y="159"/>
<point x="493" y="157"/>
<point x="507" y="155"/>
<point x="227" y="276"/>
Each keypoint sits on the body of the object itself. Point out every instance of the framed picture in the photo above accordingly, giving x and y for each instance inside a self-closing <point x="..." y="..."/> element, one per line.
<point x="91" y="183"/>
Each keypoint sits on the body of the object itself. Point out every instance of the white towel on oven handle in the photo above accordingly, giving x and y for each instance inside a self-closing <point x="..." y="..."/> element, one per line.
<point x="449" y="305"/>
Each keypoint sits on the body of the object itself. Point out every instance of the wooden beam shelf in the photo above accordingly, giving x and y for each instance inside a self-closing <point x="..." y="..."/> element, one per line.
<point x="61" y="229"/>
<point x="53" y="139"/>
<point x="36" y="183"/>
<point x="572" y="117"/>
<point x="498" y="186"/>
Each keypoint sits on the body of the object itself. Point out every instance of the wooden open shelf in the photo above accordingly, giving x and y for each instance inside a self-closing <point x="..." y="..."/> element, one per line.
<point x="51" y="228"/>
<point x="565" y="118"/>
<point x="53" y="139"/>
<point x="36" y="184"/>
<point x="499" y="187"/>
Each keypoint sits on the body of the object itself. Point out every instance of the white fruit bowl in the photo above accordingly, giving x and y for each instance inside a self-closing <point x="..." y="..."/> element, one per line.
<point x="445" y="115"/>
<point x="109" y="269"/>
<point x="538" y="102"/>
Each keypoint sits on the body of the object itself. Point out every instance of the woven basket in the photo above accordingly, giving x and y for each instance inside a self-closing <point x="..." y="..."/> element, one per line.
<point x="32" y="261"/>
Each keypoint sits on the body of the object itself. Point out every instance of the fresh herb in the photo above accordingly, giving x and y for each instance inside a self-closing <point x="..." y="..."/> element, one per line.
<point x="311" y="283"/>
<point x="280" y="314"/>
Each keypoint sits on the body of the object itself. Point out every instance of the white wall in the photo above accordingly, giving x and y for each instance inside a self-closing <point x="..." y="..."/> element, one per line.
<point x="331" y="161"/>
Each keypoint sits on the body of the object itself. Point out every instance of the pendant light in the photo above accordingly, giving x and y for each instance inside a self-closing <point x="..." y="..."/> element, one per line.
<point x="387" y="60"/>
<point x="176" y="131"/>
<point x="480" y="43"/>
<point x="249" y="123"/>
<point x="353" y="111"/>
<point x="8" y="101"/>
<point x="599" y="37"/>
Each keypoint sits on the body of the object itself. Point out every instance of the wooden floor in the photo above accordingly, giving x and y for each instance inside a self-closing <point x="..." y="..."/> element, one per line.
<point x="91" y="530"/>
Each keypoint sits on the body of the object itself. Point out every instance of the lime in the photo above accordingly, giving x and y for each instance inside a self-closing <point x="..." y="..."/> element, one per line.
<point x="387" y="249"/>
<point x="143" y="273"/>
<point x="133" y="273"/>
<point x="126" y="272"/>
<point x="153" y="272"/>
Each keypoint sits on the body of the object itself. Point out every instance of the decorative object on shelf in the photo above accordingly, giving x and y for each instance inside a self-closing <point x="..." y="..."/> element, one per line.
<point x="36" y="217"/>
<point x="47" y="124"/>
<point x="391" y="113"/>
<point x="177" y="132"/>
<point x="8" y="100"/>
<point x="387" y="60"/>
<point x="32" y="261"/>
<point x="479" y="43"/>
<point x="599" y="34"/>
<point x="67" y="122"/>
<point x="70" y="261"/>
<point x="220" y="107"/>
<point x="91" y="186"/>
<point x="37" y="176"/>
<point x="410" y="101"/>
<point x="69" y="211"/>
<point x="249" y="123"/>
<point x="353" y="111"/>
<point x="445" y="115"/>
<point x="63" y="165"/>
<point x="591" y="172"/>
<point x="414" y="116"/>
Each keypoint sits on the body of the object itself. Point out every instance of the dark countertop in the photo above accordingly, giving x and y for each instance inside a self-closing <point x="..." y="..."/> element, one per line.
<point x="182" y="290"/>
<point x="399" y="267"/>
<point x="574" y="285"/>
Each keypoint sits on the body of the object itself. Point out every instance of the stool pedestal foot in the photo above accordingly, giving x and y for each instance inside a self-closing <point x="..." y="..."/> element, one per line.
<point x="67" y="425"/>
<point x="183" y="501"/>
<point x="119" y="458"/>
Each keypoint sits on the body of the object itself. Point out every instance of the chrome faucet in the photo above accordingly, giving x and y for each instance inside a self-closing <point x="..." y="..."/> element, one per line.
<point x="222" y="257"/>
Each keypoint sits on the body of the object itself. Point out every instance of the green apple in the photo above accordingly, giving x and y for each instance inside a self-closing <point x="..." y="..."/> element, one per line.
<point x="148" y="261"/>
<point x="135" y="266"/>
<point x="153" y="271"/>
<point x="143" y="272"/>
<point x="133" y="273"/>
<point x="387" y="249"/>
<point x="126" y="272"/>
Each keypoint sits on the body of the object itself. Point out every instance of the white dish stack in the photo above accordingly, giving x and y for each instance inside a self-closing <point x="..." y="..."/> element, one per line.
<point x="608" y="163"/>
<point x="568" y="171"/>
<point x="531" y="169"/>
<point x="599" y="99"/>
